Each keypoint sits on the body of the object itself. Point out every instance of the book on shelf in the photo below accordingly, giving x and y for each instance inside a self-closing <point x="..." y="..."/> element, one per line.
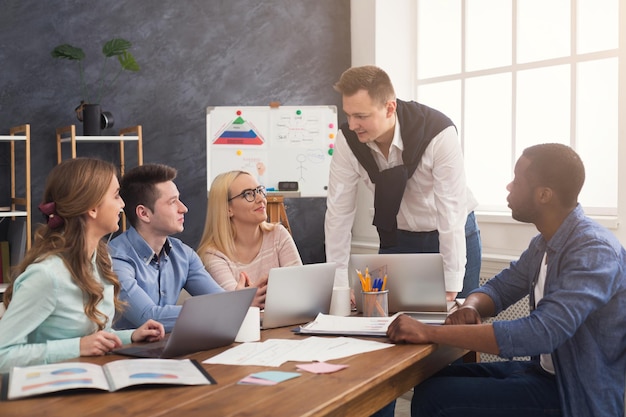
<point x="27" y="381"/>
<point x="326" y="324"/>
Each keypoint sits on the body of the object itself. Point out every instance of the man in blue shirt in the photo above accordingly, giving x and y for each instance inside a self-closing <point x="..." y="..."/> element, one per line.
<point x="153" y="268"/>
<point x="575" y="274"/>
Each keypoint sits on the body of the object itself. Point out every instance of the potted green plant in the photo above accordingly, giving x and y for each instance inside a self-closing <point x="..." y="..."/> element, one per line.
<point x="90" y="109"/>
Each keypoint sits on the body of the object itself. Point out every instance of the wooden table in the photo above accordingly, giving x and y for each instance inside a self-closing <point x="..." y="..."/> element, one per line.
<point x="371" y="381"/>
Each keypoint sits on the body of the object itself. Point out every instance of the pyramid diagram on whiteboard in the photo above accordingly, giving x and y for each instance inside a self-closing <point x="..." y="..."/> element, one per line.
<point x="238" y="132"/>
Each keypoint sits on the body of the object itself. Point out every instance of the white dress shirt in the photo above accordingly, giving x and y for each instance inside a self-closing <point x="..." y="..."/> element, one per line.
<point x="436" y="197"/>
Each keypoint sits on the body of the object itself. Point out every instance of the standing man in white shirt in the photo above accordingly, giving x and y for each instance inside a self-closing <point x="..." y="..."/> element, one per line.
<point x="409" y="156"/>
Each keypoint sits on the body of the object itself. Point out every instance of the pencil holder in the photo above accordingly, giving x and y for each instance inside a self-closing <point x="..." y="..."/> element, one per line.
<point x="376" y="304"/>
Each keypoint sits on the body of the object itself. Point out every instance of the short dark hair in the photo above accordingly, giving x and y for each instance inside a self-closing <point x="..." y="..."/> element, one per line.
<point x="138" y="187"/>
<point x="556" y="166"/>
<point x="369" y="78"/>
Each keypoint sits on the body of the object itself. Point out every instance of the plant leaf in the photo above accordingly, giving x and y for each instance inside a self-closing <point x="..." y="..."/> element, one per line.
<point x="66" y="51"/>
<point x="128" y="62"/>
<point x="115" y="47"/>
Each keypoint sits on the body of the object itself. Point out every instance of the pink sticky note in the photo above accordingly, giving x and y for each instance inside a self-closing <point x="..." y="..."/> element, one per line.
<point x="249" y="380"/>
<point x="320" y="367"/>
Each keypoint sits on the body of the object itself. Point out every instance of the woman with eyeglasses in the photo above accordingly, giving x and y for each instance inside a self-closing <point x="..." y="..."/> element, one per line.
<point x="237" y="240"/>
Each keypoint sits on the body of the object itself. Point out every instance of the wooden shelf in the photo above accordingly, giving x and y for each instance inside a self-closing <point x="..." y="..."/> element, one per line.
<point x="101" y="139"/>
<point x="16" y="138"/>
<point x="13" y="213"/>
<point x="67" y="134"/>
<point x="18" y="135"/>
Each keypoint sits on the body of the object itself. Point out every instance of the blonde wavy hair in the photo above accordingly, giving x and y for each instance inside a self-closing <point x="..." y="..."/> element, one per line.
<point x="75" y="186"/>
<point x="219" y="231"/>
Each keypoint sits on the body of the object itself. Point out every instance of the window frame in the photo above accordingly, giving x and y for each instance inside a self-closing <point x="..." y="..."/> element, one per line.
<point x="573" y="60"/>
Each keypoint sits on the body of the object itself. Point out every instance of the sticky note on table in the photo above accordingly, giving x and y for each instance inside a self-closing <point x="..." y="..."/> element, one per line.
<point x="320" y="367"/>
<point x="268" y="378"/>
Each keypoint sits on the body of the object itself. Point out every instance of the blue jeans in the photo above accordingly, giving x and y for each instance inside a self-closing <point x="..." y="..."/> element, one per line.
<point x="428" y="242"/>
<point x="514" y="389"/>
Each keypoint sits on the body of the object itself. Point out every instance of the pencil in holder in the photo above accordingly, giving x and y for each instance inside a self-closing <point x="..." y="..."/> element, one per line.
<point x="375" y="303"/>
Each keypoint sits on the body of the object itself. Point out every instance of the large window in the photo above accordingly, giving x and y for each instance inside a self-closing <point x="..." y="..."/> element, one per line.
<point x="513" y="73"/>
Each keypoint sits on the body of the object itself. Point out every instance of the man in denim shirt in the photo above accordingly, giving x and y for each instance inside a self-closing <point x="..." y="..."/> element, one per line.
<point x="574" y="272"/>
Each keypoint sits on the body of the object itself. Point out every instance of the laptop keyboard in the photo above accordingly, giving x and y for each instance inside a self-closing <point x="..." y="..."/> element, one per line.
<point x="154" y="352"/>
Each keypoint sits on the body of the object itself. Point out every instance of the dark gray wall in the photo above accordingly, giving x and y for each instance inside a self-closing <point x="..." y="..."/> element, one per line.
<point x="192" y="53"/>
<point x="306" y="219"/>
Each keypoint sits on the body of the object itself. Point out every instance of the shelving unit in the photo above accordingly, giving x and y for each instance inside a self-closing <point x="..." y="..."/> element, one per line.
<point x="19" y="203"/>
<point x="67" y="134"/>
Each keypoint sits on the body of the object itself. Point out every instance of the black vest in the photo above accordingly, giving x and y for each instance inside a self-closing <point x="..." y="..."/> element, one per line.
<point x="419" y="124"/>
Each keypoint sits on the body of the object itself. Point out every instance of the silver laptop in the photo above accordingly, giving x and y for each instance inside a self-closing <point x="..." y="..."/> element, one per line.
<point x="205" y="322"/>
<point x="297" y="294"/>
<point x="415" y="282"/>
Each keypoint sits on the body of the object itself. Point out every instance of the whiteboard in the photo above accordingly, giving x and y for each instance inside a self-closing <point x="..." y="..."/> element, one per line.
<point x="285" y="143"/>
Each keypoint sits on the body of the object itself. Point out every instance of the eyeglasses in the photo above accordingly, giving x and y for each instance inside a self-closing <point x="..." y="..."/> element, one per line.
<point x="250" y="194"/>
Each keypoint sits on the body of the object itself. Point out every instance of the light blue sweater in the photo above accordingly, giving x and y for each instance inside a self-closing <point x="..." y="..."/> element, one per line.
<point x="46" y="319"/>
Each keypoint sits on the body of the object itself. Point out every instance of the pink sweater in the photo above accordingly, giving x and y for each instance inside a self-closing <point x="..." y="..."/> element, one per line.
<point x="278" y="249"/>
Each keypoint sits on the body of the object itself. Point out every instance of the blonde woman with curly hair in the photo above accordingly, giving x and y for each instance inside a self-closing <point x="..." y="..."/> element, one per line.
<point x="237" y="240"/>
<point x="62" y="303"/>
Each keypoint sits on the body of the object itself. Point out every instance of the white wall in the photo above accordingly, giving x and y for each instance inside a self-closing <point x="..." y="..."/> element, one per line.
<point x="379" y="38"/>
<point x="382" y="35"/>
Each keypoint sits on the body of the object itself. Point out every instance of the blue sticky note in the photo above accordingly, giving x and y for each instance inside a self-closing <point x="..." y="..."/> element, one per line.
<point x="276" y="376"/>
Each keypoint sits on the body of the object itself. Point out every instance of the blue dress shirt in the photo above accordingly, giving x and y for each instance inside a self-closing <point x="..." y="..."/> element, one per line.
<point x="152" y="283"/>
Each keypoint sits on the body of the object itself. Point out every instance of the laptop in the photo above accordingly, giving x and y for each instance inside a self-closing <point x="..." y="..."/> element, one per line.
<point x="415" y="282"/>
<point x="205" y="322"/>
<point x="297" y="294"/>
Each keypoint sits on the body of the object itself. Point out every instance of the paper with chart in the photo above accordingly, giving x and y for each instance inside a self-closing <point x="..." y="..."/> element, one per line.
<point x="42" y="379"/>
